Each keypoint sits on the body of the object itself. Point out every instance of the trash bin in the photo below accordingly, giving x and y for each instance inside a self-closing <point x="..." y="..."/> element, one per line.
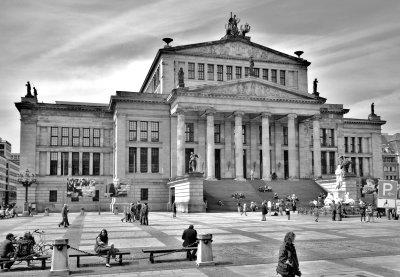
<point x="204" y="251"/>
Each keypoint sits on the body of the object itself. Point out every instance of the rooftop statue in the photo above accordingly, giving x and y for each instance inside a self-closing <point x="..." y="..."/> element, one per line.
<point x="28" y="90"/>
<point x="232" y="29"/>
<point x="35" y="94"/>
<point x="315" y="87"/>
<point x="372" y="108"/>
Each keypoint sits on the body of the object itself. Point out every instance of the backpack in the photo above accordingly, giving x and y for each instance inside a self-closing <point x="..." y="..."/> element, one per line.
<point x="24" y="248"/>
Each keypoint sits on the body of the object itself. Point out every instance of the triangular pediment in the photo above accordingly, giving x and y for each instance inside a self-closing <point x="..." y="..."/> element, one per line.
<point x="252" y="88"/>
<point x="238" y="49"/>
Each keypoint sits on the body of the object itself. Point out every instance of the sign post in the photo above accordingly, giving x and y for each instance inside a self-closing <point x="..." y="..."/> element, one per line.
<point x="388" y="192"/>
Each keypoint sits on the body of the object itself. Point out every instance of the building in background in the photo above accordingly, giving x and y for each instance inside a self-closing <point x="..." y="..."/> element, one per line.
<point x="9" y="170"/>
<point x="240" y="106"/>
<point x="391" y="156"/>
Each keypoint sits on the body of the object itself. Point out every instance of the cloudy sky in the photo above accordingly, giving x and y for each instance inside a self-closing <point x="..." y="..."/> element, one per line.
<point x="75" y="50"/>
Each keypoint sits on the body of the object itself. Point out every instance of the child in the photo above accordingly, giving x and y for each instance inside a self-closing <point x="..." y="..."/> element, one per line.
<point x="370" y="213"/>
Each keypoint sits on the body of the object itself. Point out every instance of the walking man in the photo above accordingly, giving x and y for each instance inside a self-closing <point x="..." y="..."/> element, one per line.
<point x="64" y="215"/>
<point x="333" y="210"/>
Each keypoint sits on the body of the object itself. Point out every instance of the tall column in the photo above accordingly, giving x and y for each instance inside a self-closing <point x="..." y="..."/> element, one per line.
<point x="210" y="146"/>
<point x="238" y="147"/>
<point x="292" y="146"/>
<point x="265" y="147"/>
<point x="69" y="163"/>
<point x="317" y="146"/>
<point x="120" y="145"/>
<point x="180" y="144"/>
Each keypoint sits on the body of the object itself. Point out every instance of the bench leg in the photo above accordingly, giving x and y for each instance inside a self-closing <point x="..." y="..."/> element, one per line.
<point x="77" y="261"/>
<point x="151" y="258"/>
<point x="120" y="259"/>
<point x="188" y="255"/>
<point x="2" y="265"/>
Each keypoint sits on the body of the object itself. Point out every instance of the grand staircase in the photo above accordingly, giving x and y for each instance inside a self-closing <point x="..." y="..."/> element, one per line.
<point x="305" y="190"/>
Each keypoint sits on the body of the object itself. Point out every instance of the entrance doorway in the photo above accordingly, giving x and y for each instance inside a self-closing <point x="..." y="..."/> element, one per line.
<point x="261" y="164"/>
<point x="244" y="164"/>
<point x="218" y="164"/>
<point x="172" y="193"/>
<point x="188" y="151"/>
<point x="286" y="164"/>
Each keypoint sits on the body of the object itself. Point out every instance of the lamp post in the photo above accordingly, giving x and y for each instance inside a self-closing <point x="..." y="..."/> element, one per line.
<point x="26" y="179"/>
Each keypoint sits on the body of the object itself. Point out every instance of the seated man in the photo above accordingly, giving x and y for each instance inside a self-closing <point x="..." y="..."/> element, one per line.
<point x="220" y="203"/>
<point x="7" y="251"/>
<point x="189" y="237"/>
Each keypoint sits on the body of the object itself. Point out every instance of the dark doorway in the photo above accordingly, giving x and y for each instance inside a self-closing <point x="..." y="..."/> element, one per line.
<point x="261" y="164"/>
<point x="244" y="164"/>
<point x="286" y="164"/>
<point x="218" y="164"/>
<point x="172" y="195"/>
<point x="187" y="158"/>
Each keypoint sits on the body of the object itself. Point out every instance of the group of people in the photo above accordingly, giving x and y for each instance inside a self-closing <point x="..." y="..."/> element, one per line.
<point x="13" y="248"/>
<point x="8" y="211"/>
<point x="137" y="212"/>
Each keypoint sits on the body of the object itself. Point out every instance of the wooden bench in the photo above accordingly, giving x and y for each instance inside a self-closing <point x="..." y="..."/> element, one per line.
<point x="35" y="258"/>
<point x="79" y="255"/>
<point x="168" y="250"/>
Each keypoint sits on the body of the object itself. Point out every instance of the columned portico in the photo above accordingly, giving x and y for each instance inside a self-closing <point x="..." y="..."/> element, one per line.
<point x="317" y="146"/>
<point x="210" y="145"/>
<point x="292" y="146"/>
<point x="180" y="144"/>
<point x="265" y="147"/>
<point x="238" y="146"/>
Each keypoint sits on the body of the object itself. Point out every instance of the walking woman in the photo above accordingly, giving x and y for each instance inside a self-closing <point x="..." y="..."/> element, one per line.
<point x="64" y="215"/>
<point x="102" y="247"/>
<point x="288" y="264"/>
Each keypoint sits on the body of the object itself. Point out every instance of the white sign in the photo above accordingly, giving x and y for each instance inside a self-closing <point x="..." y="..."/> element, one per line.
<point x="381" y="202"/>
<point x="387" y="189"/>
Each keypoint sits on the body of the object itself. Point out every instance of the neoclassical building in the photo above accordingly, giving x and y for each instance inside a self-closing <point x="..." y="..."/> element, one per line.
<point x="240" y="106"/>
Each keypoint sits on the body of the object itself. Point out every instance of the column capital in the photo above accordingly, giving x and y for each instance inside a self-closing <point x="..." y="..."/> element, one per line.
<point x="210" y="111"/>
<point x="239" y="113"/>
<point x="316" y="117"/>
<point x="292" y="115"/>
<point x="266" y="115"/>
<point x="180" y="111"/>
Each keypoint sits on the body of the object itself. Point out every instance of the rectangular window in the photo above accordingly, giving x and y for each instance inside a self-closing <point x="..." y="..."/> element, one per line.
<point x="238" y="72"/>
<point x="144" y="194"/>
<point x="190" y="70"/>
<point x="53" y="196"/>
<point x="220" y="72"/>
<point x="96" y="137"/>
<point x="352" y="144"/>
<point x="360" y="168"/>
<point x="359" y="145"/>
<point x="143" y="160"/>
<point x="132" y="130"/>
<point x="53" y="163"/>
<point x="260" y="134"/>
<point x="285" y="135"/>
<point x="331" y="137"/>
<point x="154" y="131"/>
<point x="323" y="133"/>
<point x="265" y="73"/>
<point x="323" y="162"/>
<point x="200" y="71"/>
<point x="96" y="164"/>
<point x="64" y="136"/>
<point x="143" y="130"/>
<point x="189" y="132"/>
<point x="244" y="134"/>
<point x="86" y="137"/>
<point x="132" y="160"/>
<point x="217" y="133"/>
<point x="332" y="162"/>
<point x="85" y="163"/>
<point x="246" y="71"/>
<point x="346" y="144"/>
<point x="210" y="72"/>
<point x="54" y="136"/>
<point x="257" y="72"/>
<point x="273" y="75"/>
<point x="64" y="163"/>
<point x="75" y="163"/>
<point x="229" y="72"/>
<point x="75" y="136"/>
<point x="282" y="77"/>
<point x="155" y="167"/>
<point x="96" y="195"/>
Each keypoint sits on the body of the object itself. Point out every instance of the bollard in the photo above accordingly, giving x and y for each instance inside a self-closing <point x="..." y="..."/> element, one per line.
<point x="116" y="210"/>
<point x="204" y="251"/>
<point x="46" y="211"/>
<point x="59" y="261"/>
<point x="82" y="211"/>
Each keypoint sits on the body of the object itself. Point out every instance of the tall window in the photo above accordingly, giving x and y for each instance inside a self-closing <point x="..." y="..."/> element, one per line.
<point x="323" y="162"/>
<point x="246" y="71"/>
<point x="200" y="71"/>
<point x="75" y="163"/>
<point x="54" y="136"/>
<point x="154" y="131"/>
<point x="238" y="72"/>
<point x="282" y="76"/>
<point x="75" y="136"/>
<point x="229" y="72"/>
<point x="346" y="144"/>
<point x="217" y="133"/>
<point x="96" y="163"/>
<point x="220" y="72"/>
<point x="210" y="72"/>
<point x="144" y="194"/>
<point x="244" y="134"/>
<point x="155" y="167"/>
<point x="190" y="70"/>
<point x="265" y="73"/>
<point x="360" y="166"/>
<point x="285" y="135"/>
<point x="64" y="136"/>
<point x="53" y="163"/>
<point x="85" y="163"/>
<point x="360" y="145"/>
<point x="64" y="163"/>
<point x="260" y="134"/>
<point x="332" y="162"/>
<point x="352" y="144"/>
<point x="331" y="137"/>
<point x="257" y="72"/>
<point x="273" y="75"/>
<point x="143" y="160"/>
<point x="53" y="196"/>
<point x="189" y="132"/>
<point x="132" y="130"/>
<point x="132" y="160"/>
<point x="323" y="137"/>
<point x="143" y="130"/>
<point x="96" y="137"/>
<point x="86" y="137"/>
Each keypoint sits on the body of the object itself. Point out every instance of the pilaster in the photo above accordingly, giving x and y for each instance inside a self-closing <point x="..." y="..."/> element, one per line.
<point x="210" y="145"/>
<point x="238" y="147"/>
<point x="317" y="146"/>
<point x="292" y="146"/>
<point x="180" y="144"/>
<point x="266" y="157"/>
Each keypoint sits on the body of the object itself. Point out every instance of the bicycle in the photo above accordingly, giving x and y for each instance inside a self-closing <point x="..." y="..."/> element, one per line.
<point x="41" y="247"/>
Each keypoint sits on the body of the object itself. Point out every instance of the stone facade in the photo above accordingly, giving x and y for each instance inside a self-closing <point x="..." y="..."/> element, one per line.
<point x="233" y="119"/>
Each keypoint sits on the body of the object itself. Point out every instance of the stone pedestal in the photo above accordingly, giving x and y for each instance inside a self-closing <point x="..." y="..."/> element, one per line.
<point x="204" y="253"/>
<point x="59" y="262"/>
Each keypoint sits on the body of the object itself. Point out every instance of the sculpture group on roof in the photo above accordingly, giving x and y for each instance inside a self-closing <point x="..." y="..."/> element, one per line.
<point x="232" y="29"/>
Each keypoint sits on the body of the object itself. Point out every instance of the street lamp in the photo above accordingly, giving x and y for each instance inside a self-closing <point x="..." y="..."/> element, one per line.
<point x="26" y="179"/>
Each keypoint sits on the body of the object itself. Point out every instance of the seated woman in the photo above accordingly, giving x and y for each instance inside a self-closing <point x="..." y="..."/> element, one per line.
<point x="25" y="246"/>
<point x="102" y="247"/>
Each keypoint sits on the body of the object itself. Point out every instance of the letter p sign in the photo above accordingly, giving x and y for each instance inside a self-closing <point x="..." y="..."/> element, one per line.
<point x="387" y="189"/>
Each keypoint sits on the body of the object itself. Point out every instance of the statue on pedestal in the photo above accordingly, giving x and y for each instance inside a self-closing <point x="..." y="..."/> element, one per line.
<point x="193" y="162"/>
<point x="181" y="75"/>
<point x="373" y="109"/>
<point x="28" y="90"/>
<point x="339" y="176"/>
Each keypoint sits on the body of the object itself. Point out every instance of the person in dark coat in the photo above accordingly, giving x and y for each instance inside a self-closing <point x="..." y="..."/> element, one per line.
<point x="7" y="251"/>
<point x="288" y="264"/>
<point x="333" y="205"/>
<point x="189" y="237"/>
<point x="174" y="209"/>
<point x="64" y="214"/>
<point x="264" y="211"/>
